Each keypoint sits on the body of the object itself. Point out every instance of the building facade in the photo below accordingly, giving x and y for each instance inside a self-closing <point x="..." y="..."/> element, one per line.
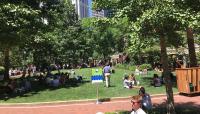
<point x="84" y="9"/>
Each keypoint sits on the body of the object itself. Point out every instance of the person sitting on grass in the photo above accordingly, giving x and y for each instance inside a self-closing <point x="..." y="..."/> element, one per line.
<point x="132" y="79"/>
<point x="55" y="82"/>
<point x="137" y="71"/>
<point x="126" y="82"/>
<point x="156" y="82"/>
<point x="134" y="82"/>
<point x="11" y="86"/>
<point x="146" y="99"/>
<point x="136" y="105"/>
<point x="27" y="84"/>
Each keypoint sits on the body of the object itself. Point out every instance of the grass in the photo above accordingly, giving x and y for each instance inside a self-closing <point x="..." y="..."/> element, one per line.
<point x="84" y="90"/>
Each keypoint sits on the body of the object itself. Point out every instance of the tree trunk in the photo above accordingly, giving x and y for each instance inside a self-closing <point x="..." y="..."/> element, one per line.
<point x="166" y="74"/>
<point x="191" y="48"/>
<point x="6" y="63"/>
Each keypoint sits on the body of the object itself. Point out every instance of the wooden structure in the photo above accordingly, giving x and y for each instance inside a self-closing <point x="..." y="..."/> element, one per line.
<point x="188" y="80"/>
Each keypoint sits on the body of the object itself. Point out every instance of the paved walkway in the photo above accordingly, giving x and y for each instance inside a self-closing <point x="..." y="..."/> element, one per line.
<point x="90" y="107"/>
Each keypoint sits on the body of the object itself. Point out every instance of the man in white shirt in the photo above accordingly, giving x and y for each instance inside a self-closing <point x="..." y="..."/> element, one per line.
<point x="136" y="105"/>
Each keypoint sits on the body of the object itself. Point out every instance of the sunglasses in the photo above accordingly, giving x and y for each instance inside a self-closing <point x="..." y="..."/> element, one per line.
<point x="135" y="102"/>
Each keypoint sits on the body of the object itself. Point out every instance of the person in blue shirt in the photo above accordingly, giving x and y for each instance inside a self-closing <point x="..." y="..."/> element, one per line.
<point x="106" y="73"/>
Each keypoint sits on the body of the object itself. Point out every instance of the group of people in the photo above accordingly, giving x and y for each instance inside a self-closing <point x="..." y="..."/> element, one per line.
<point x="26" y="70"/>
<point x="129" y="81"/>
<point x="18" y="85"/>
<point x="55" y="80"/>
<point x="140" y="103"/>
<point x="140" y="72"/>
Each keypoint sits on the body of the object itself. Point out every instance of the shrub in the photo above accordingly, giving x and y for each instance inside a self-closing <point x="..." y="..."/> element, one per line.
<point x="122" y="66"/>
<point x="1" y="70"/>
<point x="132" y="68"/>
<point x="145" y="66"/>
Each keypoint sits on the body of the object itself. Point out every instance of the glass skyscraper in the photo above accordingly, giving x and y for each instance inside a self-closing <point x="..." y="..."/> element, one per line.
<point x="84" y="9"/>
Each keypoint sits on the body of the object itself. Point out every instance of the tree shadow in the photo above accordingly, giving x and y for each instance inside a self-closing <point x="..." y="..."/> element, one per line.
<point x="147" y="81"/>
<point x="180" y="108"/>
<point x="37" y="87"/>
<point x="190" y="95"/>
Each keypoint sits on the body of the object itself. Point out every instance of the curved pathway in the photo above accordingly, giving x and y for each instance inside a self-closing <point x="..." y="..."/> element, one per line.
<point x="90" y="107"/>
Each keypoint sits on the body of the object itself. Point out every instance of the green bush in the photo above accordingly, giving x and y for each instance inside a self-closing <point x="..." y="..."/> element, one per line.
<point x="125" y="66"/>
<point x="2" y="70"/>
<point x="122" y="66"/>
<point x="132" y="68"/>
<point x="145" y="66"/>
<point x="118" y="66"/>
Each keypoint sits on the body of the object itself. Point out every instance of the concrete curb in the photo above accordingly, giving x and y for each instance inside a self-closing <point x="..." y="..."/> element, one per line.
<point x="77" y="101"/>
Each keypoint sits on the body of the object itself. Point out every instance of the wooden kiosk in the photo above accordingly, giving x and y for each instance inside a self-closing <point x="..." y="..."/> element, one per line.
<point x="188" y="80"/>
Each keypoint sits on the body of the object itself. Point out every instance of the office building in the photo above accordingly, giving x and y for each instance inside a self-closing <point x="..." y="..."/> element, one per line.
<point x="84" y="9"/>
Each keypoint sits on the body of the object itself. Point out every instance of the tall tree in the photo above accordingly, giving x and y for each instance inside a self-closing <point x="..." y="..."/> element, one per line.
<point x="191" y="47"/>
<point x="16" y="19"/>
<point x="189" y="13"/>
<point x="38" y="28"/>
<point x="102" y="36"/>
<point x="153" y="19"/>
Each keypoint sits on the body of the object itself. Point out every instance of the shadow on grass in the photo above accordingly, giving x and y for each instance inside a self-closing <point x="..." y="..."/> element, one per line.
<point x="147" y="81"/>
<point x="182" y="108"/>
<point x="37" y="87"/>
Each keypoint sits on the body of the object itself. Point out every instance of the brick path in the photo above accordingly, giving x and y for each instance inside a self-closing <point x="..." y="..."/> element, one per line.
<point x="90" y="107"/>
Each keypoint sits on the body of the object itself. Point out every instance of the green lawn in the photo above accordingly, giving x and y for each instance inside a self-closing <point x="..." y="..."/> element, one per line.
<point x="84" y="90"/>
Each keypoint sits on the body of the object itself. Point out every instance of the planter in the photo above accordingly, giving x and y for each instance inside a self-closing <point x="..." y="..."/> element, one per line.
<point x="188" y="80"/>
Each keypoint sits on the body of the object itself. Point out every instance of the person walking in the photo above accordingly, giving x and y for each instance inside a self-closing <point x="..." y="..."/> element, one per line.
<point x="106" y="73"/>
